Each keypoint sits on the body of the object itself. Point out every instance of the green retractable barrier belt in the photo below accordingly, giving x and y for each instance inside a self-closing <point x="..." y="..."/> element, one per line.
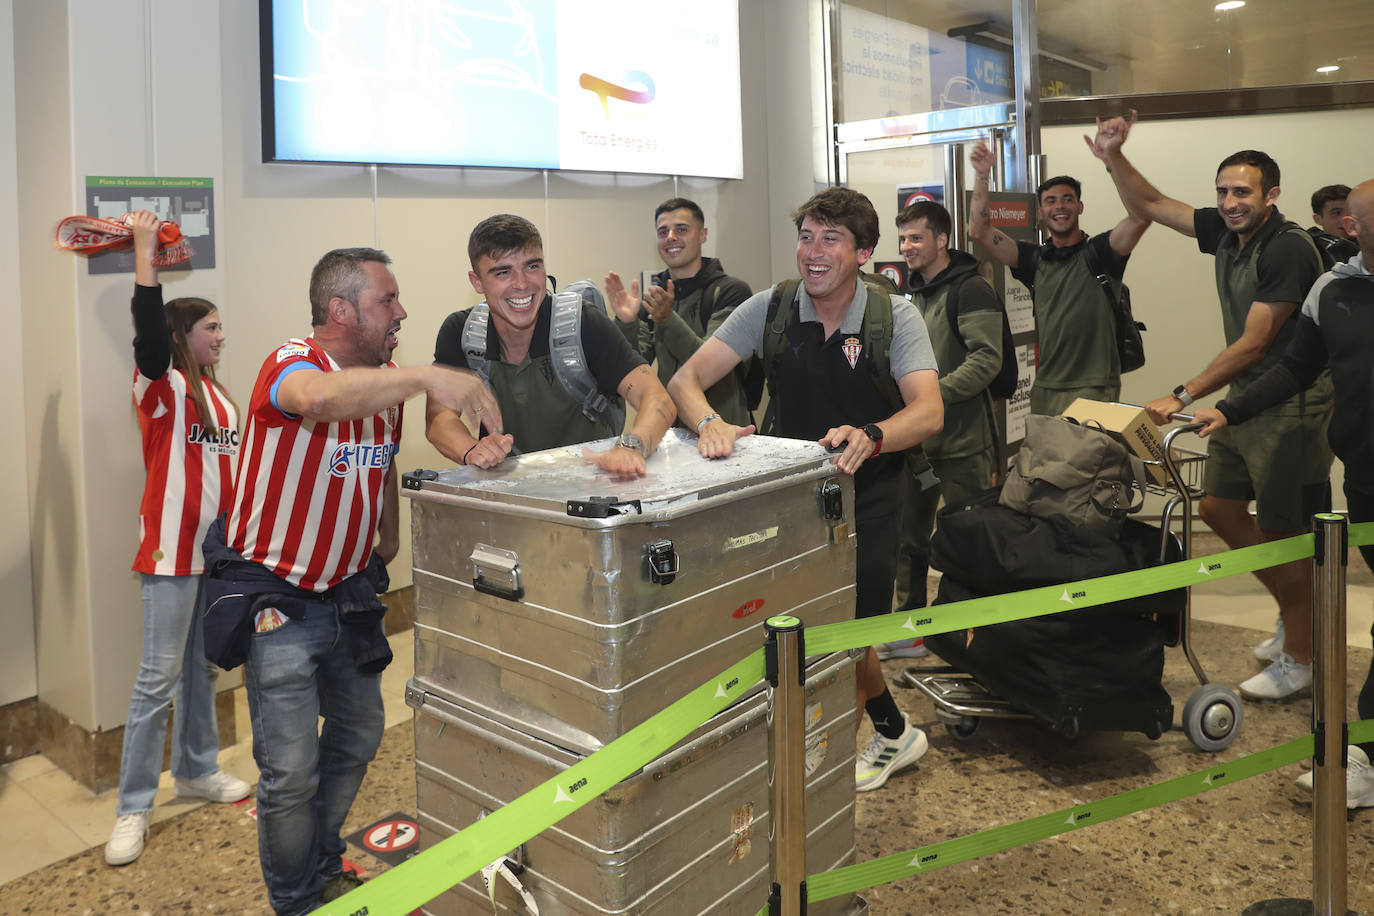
<point x="462" y="855"/>
<point x="978" y="612"/>
<point x="453" y="860"/>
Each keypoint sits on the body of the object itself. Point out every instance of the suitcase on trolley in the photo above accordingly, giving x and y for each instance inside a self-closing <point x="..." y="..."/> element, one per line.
<point x="1090" y="668"/>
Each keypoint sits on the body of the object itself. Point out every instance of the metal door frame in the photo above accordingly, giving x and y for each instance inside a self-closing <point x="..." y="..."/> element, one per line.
<point x="1013" y="126"/>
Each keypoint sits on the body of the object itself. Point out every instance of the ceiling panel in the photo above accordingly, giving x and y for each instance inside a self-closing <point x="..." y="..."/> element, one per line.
<point x="1179" y="45"/>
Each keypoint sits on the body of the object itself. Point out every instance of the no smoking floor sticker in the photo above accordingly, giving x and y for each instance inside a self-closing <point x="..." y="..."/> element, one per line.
<point x="392" y="839"/>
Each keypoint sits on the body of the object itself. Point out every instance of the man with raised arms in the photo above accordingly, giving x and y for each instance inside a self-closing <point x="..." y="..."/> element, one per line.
<point x="1073" y="318"/>
<point x="1265" y="266"/>
<point x="1335" y="331"/>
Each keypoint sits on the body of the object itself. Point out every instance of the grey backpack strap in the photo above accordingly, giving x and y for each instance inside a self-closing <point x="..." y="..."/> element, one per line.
<point x="475" y="340"/>
<point x="569" y="360"/>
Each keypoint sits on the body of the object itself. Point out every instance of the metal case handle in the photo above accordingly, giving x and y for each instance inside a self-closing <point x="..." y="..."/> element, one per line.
<point x="496" y="571"/>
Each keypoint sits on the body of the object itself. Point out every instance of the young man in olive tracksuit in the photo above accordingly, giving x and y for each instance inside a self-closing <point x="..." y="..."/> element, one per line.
<point x="943" y="282"/>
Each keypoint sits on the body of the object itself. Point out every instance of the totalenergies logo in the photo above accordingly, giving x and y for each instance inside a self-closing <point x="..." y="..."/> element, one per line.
<point x="639" y="89"/>
<point x="349" y="456"/>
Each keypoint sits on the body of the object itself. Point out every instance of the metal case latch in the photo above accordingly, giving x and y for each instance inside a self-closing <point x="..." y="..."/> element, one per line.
<point x="496" y="571"/>
<point x="416" y="479"/>
<point x="830" y="495"/>
<point x="603" y="507"/>
<point x="661" y="559"/>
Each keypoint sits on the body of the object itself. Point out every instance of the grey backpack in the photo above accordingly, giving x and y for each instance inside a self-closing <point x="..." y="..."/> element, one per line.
<point x="565" y="350"/>
<point x="1076" y="473"/>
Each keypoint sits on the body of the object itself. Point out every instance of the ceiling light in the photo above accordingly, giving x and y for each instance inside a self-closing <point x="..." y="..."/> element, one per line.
<point x="1229" y="5"/>
<point x="1329" y="68"/>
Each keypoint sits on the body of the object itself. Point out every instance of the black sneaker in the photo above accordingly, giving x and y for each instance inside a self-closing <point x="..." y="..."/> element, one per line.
<point x="340" y="884"/>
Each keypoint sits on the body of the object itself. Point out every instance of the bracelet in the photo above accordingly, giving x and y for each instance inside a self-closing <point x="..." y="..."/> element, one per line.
<point x="469" y="451"/>
<point x="706" y="419"/>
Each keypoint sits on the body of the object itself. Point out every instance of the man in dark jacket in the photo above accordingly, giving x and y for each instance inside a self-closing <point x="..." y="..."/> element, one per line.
<point x="1335" y="330"/>
<point x="686" y="303"/>
<point x="944" y="283"/>
<point x="1329" y="208"/>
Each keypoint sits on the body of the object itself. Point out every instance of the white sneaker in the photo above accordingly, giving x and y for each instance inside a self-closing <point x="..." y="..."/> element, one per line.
<point x="885" y="756"/>
<point x="218" y="786"/>
<point x="1269" y="650"/>
<point x="127" y="839"/>
<point x="1359" y="779"/>
<point x="1284" y="679"/>
<point x="902" y="648"/>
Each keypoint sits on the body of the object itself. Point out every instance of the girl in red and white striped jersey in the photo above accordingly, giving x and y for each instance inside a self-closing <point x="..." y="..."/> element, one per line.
<point x="190" y="447"/>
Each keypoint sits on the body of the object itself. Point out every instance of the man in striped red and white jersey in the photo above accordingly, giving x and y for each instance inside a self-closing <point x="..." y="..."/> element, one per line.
<point x="315" y="486"/>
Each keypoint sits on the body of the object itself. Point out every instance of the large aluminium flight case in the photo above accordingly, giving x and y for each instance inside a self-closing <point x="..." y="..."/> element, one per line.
<point x="557" y="608"/>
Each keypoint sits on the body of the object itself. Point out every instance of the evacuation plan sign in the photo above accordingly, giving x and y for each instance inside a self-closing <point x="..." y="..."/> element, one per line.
<point x="188" y="202"/>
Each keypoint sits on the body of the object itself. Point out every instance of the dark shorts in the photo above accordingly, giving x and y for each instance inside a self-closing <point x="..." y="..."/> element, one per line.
<point x="1281" y="461"/>
<point x="877" y="527"/>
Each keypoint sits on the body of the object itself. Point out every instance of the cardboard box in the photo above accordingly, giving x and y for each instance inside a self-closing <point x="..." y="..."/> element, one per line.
<point x="1130" y="426"/>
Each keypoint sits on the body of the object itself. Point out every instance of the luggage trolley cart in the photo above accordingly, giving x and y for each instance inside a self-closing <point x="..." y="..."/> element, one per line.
<point x="1212" y="715"/>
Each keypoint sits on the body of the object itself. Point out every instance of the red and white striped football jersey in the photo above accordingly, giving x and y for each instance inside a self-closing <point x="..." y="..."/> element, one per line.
<point x="189" y="471"/>
<point x="308" y="494"/>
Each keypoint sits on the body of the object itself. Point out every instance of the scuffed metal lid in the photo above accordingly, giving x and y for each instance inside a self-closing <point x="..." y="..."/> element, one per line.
<point x="677" y="477"/>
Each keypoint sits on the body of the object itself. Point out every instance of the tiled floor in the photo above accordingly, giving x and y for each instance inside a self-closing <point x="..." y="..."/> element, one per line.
<point x="57" y="817"/>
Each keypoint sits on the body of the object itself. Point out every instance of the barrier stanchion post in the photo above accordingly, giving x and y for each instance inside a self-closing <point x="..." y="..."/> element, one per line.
<point x="785" y="664"/>
<point x="1330" y="553"/>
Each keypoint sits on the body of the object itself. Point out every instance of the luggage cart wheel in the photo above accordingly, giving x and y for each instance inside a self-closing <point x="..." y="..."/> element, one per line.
<point x="962" y="728"/>
<point x="1212" y="717"/>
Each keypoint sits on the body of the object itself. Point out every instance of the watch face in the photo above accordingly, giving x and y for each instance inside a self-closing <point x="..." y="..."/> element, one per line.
<point x="874" y="432"/>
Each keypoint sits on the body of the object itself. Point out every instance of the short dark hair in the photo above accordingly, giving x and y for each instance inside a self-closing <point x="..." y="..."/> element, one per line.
<point x="340" y="273"/>
<point x="842" y="207"/>
<point x="1332" y="192"/>
<point x="936" y="216"/>
<point x="680" y="203"/>
<point x="501" y="234"/>
<point x="1268" y="168"/>
<point x="1060" y="179"/>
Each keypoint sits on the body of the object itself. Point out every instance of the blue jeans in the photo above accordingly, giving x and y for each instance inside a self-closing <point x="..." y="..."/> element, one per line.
<point x="309" y="774"/>
<point x="173" y="663"/>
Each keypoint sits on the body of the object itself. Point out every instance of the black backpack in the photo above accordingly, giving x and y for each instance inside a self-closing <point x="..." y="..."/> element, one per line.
<point x="1333" y="250"/>
<point x="1130" y="346"/>
<point x="1004" y="384"/>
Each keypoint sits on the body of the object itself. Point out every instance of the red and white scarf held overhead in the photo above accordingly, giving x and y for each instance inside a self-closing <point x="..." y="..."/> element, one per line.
<point x="89" y="234"/>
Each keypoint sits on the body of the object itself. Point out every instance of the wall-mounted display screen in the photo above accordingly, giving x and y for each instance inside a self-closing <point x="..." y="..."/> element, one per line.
<point x="599" y="85"/>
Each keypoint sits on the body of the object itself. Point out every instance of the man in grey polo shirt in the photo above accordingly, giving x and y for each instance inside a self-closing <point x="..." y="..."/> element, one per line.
<point x="828" y="384"/>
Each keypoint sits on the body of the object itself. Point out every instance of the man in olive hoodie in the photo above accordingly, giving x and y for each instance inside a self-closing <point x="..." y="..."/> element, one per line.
<point x="944" y="282"/>
<point x="687" y="301"/>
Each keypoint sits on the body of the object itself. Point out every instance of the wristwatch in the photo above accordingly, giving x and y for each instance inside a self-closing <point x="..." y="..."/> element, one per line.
<point x="875" y="433"/>
<point x="1184" y="398"/>
<point x="630" y="440"/>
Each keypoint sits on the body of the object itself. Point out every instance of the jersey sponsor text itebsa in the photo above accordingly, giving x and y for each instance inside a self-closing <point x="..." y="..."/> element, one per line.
<point x="189" y="471"/>
<point x="308" y="494"/>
